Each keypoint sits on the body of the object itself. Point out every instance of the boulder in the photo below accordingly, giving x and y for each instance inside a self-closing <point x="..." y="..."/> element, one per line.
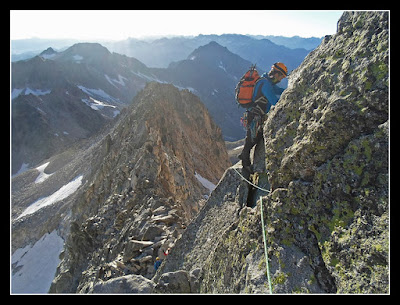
<point x="174" y="282"/>
<point x="152" y="232"/>
<point x="167" y="219"/>
<point x="133" y="248"/>
<point x="125" y="284"/>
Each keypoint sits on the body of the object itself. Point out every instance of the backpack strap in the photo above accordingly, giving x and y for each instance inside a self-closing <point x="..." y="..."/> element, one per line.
<point x="260" y="101"/>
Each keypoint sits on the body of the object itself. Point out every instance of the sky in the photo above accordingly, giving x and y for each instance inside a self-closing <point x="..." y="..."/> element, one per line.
<point x="122" y="24"/>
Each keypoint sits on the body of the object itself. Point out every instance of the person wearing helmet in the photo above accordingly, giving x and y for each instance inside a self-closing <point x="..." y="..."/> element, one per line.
<point x="157" y="263"/>
<point x="266" y="93"/>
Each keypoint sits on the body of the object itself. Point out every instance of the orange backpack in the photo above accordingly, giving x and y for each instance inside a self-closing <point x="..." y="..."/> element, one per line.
<point x="245" y="87"/>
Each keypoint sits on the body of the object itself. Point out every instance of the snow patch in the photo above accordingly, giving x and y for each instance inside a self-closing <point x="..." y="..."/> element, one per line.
<point x="59" y="195"/>
<point x="36" y="92"/>
<point x="42" y="175"/>
<point x="116" y="112"/>
<point x="77" y="58"/>
<point x="206" y="183"/>
<point x="119" y="81"/>
<point x="221" y="65"/>
<point x="97" y="93"/>
<point x="149" y="78"/>
<point x="16" y="92"/>
<point x="41" y="111"/>
<point x="192" y="90"/>
<point x="26" y="91"/>
<point x="214" y="92"/>
<point x="48" y="56"/>
<point x="34" y="267"/>
<point x="24" y="167"/>
<point x="95" y="104"/>
<point x="98" y="105"/>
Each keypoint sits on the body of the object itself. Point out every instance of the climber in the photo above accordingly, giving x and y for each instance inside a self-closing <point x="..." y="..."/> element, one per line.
<point x="157" y="263"/>
<point x="266" y="93"/>
<point x="167" y="252"/>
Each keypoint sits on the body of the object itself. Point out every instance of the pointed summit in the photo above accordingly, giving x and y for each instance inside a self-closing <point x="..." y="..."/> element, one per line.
<point x="48" y="53"/>
<point x="211" y="52"/>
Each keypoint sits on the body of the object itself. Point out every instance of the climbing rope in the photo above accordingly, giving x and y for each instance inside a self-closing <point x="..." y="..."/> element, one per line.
<point x="256" y="186"/>
<point x="263" y="228"/>
<point x="265" y="248"/>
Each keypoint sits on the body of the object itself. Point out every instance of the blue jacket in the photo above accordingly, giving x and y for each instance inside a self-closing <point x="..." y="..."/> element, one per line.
<point x="271" y="91"/>
<point x="157" y="264"/>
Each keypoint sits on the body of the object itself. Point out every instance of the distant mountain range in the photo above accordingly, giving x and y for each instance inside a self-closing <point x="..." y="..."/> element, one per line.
<point x="295" y="42"/>
<point x="264" y="52"/>
<point x="61" y="97"/>
<point x="160" y="52"/>
<point x="212" y="72"/>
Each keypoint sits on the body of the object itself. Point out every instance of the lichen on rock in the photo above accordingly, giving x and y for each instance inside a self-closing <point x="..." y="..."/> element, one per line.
<point x="325" y="151"/>
<point x="326" y="146"/>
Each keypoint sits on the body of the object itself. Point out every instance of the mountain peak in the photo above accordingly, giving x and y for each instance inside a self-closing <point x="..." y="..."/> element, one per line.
<point x="214" y="44"/>
<point x="82" y="51"/>
<point x="216" y="55"/>
<point x="211" y="47"/>
<point x="48" y="51"/>
<point x="92" y="46"/>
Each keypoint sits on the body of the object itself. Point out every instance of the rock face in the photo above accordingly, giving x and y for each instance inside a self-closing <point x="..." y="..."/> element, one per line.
<point x="125" y="284"/>
<point x="143" y="190"/>
<point x="325" y="159"/>
<point x="327" y="154"/>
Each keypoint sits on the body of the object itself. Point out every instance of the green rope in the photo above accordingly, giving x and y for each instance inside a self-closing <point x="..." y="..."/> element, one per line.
<point x="263" y="229"/>
<point x="265" y="247"/>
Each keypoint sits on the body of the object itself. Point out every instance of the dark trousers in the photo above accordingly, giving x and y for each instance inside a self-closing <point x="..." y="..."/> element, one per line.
<point x="248" y="145"/>
<point x="249" y="142"/>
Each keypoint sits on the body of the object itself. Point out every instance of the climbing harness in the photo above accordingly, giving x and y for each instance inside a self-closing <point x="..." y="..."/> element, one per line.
<point x="263" y="228"/>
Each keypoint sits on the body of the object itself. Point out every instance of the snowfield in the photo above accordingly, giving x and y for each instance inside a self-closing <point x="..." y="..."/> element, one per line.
<point x="119" y="81"/>
<point x="26" y="91"/>
<point x="59" y="195"/>
<point x="98" y="93"/>
<point x="206" y="183"/>
<point x="34" y="267"/>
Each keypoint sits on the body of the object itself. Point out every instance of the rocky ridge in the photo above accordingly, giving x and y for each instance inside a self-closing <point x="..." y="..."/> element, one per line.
<point x="323" y="156"/>
<point x="143" y="191"/>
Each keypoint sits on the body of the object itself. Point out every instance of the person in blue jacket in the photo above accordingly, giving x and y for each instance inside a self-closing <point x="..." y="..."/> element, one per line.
<point x="266" y="93"/>
<point x="157" y="263"/>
